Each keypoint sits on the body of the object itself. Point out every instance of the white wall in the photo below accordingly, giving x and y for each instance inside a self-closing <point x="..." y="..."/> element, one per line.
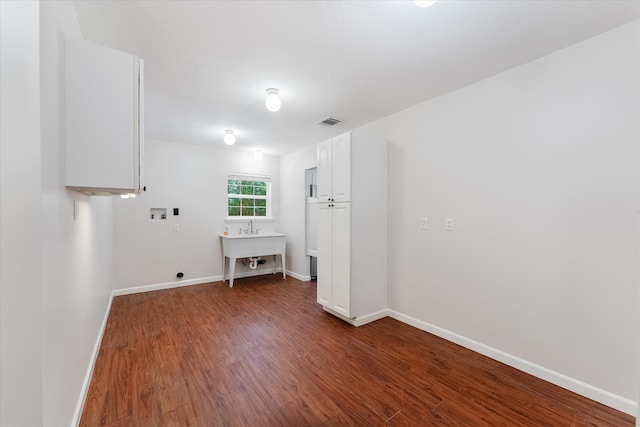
<point x="293" y="203"/>
<point x="20" y="217"/>
<point x="77" y="256"/>
<point x="538" y="167"/>
<point x="193" y="179"/>
<point x="56" y="272"/>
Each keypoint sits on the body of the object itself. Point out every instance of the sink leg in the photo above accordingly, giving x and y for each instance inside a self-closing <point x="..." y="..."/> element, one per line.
<point x="232" y="270"/>
<point x="284" y="266"/>
<point x="224" y="268"/>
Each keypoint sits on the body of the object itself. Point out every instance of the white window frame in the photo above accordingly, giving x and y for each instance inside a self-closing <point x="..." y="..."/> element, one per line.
<point x="249" y="177"/>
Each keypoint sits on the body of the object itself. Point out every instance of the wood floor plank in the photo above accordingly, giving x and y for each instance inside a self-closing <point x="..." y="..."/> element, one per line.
<point x="264" y="353"/>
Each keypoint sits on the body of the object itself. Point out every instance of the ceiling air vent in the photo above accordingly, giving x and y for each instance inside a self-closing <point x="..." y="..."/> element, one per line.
<point x="329" y="121"/>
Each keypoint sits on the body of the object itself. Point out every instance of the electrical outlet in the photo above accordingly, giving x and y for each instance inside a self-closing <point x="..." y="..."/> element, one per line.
<point x="449" y="224"/>
<point x="423" y="223"/>
<point x="176" y="228"/>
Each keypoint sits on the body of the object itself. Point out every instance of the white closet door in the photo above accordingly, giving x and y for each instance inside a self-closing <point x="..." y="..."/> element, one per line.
<point x="312" y="227"/>
<point x="325" y="262"/>
<point x="341" y="302"/>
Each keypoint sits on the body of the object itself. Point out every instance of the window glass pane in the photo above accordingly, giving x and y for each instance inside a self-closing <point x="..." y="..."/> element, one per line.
<point x="247" y="197"/>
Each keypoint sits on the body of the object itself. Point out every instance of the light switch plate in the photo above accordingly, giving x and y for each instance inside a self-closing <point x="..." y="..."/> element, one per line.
<point x="423" y="223"/>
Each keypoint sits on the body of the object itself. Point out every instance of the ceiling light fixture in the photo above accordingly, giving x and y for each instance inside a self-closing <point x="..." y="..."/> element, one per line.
<point x="229" y="137"/>
<point x="258" y="155"/>
<point x="424" y="3"/>
<point x="273" y="102"/>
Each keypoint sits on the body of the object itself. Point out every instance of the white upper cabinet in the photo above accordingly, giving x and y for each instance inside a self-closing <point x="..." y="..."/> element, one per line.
<point x="325" y="162"/>
<point x="104" y="119"/>
<point x="341" y="157"/>
<point x="334" y="169"/>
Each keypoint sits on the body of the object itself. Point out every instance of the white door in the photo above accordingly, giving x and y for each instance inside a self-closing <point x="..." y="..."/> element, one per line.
<point x="324" y="171"/>
<point x="325" y="254"/>
<point x="341" y="157"/>
<point x="341" y="236"/>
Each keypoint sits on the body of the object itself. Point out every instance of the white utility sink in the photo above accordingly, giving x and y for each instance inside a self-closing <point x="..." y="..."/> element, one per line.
<point x="252" y="245"/>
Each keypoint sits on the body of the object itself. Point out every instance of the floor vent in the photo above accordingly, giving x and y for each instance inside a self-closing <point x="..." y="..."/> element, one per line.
<point x="329" y="121"/>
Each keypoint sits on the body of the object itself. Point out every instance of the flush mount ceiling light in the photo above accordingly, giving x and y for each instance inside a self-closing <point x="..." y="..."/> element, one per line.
<point x="424" y="3"/>
<point x="229" y="137"/>
<point x="258" y="155"/>
<point x="273" y="102"/>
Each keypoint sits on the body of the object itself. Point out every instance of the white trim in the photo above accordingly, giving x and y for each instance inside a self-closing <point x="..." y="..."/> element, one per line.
<point x="248" y="218"/>
<point x="249" y="177"/>
<point x="168" y="285"/>
<point x="620" y="403"/>
<point x="199" y="281"/>
<point x="298" y="276"/>
<point x="361" y="320"/>
<point x="92" y="363"/>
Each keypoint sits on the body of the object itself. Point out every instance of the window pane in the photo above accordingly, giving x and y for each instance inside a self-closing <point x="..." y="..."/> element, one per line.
<point x="247" y="197"/>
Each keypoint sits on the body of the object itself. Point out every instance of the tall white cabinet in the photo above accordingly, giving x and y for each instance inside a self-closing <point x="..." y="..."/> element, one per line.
<point x="104" y="127"/>
<point x="352" y="226"/>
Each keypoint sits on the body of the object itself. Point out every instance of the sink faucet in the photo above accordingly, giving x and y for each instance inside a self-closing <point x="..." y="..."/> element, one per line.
<point x="250" y="226"/>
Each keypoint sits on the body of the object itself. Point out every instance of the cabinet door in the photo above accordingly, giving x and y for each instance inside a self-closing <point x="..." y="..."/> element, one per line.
<point x="324" y="171"/>
<point x="341" y="162"/>
<point x="341" y="236"/>
<point x="325" y="243"/>
<point x="102" y="100"/>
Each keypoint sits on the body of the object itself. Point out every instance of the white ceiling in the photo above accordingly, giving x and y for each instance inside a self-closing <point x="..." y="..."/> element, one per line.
<point x="208" y="63"/>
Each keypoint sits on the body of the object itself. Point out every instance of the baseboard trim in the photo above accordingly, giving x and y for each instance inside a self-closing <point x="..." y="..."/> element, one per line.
<point x="298" y="276"/>
<point x="199" y="281"/>
<point x="168" y="285"/>
<point x="92" y="363"/>
<point x="620" y="403"/>
<point x="360" y="320"/>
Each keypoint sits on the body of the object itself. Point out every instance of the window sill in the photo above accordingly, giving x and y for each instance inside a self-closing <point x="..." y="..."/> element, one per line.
<point x="249" y="218"/>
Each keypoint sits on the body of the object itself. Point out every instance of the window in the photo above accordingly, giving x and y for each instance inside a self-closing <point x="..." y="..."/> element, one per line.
<point x="248" y="196"/>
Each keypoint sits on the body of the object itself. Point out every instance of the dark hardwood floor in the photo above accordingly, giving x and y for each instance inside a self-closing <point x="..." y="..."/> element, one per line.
<point x="265" y="354"/>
